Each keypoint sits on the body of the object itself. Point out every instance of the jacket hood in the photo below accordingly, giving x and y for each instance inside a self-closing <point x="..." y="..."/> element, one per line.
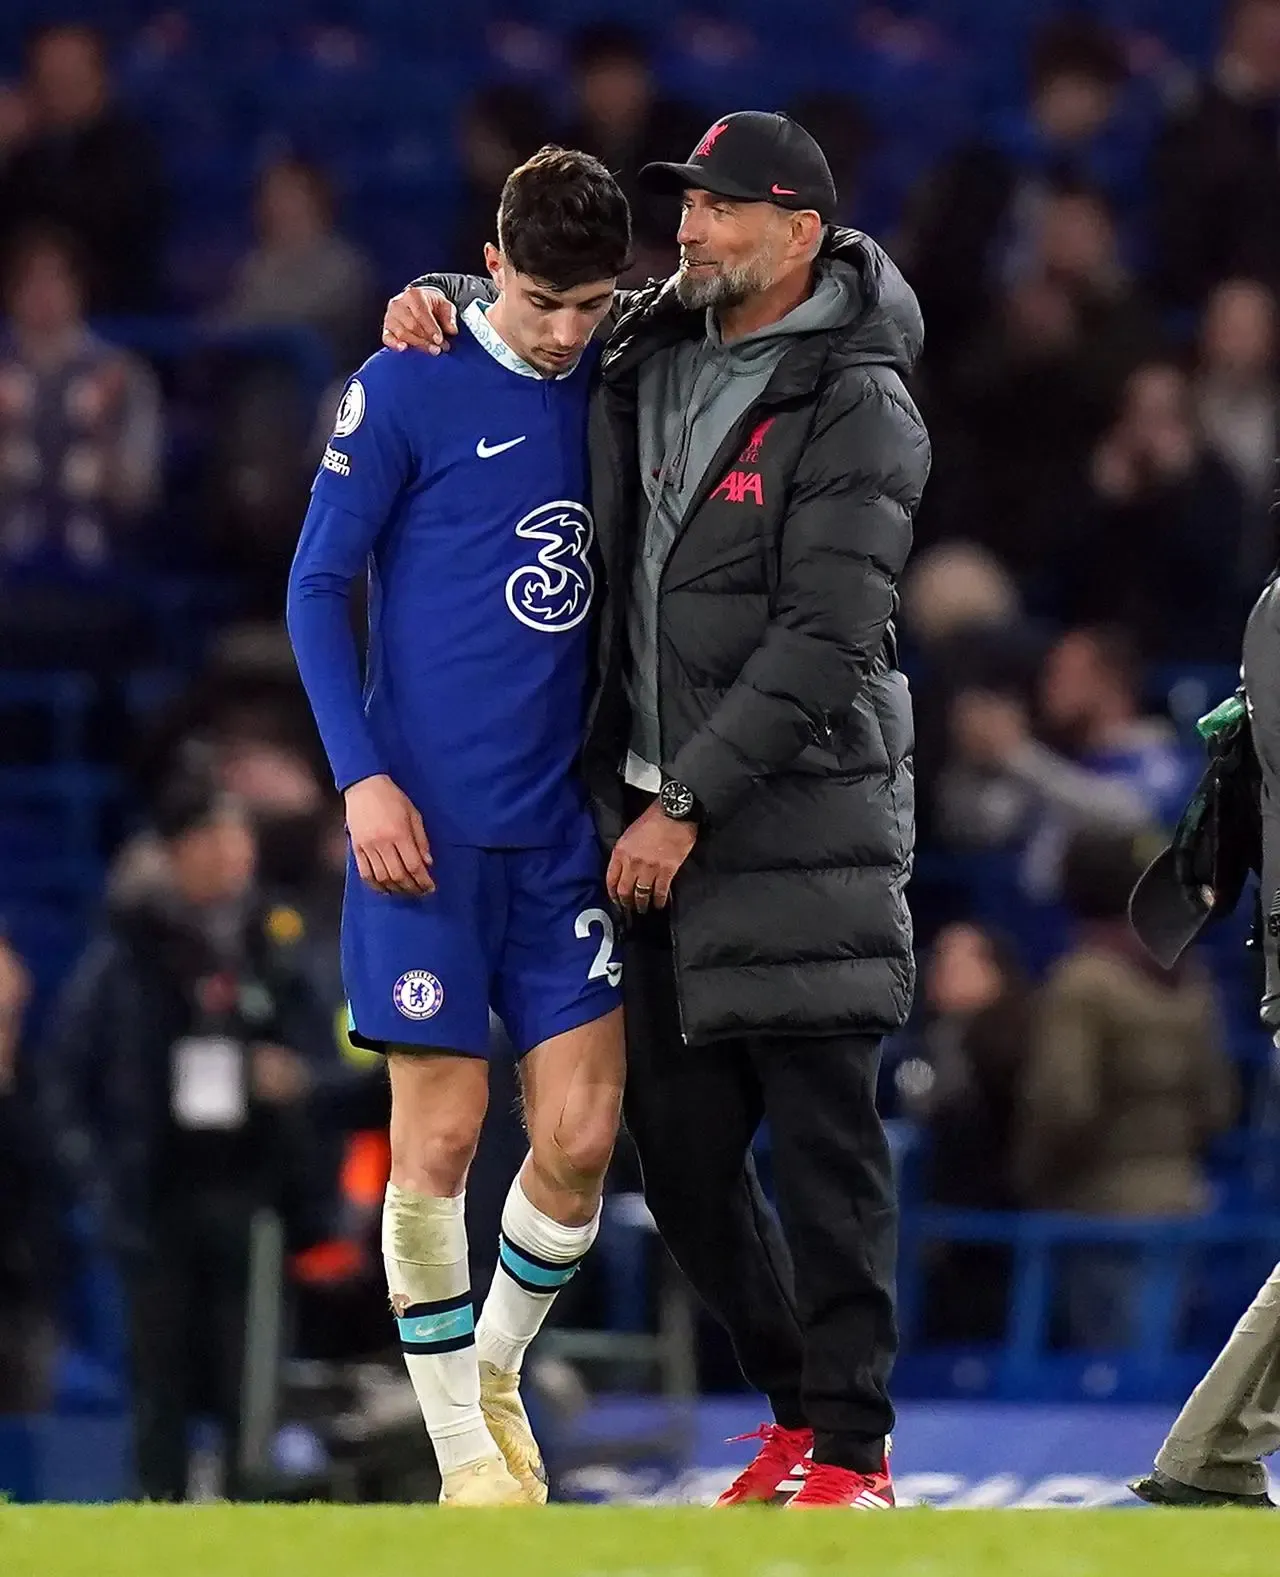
<point x="888" y="329"/>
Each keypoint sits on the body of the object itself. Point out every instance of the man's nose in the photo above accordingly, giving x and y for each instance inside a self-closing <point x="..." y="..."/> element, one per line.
<point x="692" y="231"/>
<point x="566" y="333"/>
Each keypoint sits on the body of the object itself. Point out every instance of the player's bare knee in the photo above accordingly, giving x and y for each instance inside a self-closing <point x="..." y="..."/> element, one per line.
<point x="577" y="1154"/>
<point x="437" y="1160"/>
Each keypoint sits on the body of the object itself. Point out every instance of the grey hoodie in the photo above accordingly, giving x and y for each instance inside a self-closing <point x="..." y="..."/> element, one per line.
<point x="690" y="396"/>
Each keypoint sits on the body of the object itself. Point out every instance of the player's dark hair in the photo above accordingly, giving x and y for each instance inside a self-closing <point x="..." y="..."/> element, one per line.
<point x="563" y="220"/>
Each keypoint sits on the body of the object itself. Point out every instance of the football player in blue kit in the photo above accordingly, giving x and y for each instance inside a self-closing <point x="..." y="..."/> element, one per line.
<point x="458" y="485"/>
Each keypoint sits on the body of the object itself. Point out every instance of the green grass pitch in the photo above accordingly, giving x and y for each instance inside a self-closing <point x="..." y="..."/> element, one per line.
<point x="328" y="1541"/>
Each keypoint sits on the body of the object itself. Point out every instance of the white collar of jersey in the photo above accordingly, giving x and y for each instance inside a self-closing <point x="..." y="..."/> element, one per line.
<point x="474" y="316"/>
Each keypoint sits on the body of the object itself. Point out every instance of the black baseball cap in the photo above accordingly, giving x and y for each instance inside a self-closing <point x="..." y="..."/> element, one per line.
<point x="753" y="156"/>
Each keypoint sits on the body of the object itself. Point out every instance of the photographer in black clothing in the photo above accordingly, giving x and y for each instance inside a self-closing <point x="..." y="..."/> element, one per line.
<point x="172" y="1085"/>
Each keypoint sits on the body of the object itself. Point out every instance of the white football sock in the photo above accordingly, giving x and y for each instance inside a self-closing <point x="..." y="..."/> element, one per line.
<point x="424" y="1247"/>
<point x="536" y="1257"/>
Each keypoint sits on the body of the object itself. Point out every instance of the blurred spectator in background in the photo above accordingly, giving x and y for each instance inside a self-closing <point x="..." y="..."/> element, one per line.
<point x="15" y="121"/>
<point x="301" y="272"/>
<point x="1158" y="547"/>
<point x="964" y="628"/>
<point x="80" y="454"/>
<point x="1215" y="178"/>
<point x="302" y="860"/>
<point x="173" y="1084"/>
<point x="1013" y="430"/>
<point x="1040" y="381"/>
<point x="1125" y="1085"/>
<point x="1074" y="244"/>
<point x="974" y="1048"/>
<point x="279" y="788"/>
<point x="29" y="1230"/>
<point x="1106" y="766"/>
<point x="1237" y="398"/>
<point x="502" y="126"/>
<point x="76" y="161"/>
<point x="620" y="118"/>
<point x="974" y="219"/>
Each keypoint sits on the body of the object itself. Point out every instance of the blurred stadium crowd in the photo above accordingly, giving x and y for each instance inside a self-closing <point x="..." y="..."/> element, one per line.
<point x="202" y="208"/>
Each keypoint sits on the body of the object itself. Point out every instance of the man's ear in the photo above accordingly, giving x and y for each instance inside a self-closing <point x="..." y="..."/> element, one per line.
<point x="494" y="262"/>
<point x="806" y="233"/>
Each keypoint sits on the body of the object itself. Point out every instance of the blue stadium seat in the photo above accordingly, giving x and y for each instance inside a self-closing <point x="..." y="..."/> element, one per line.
<point x="51" y="828"/>
<point x="64" y="701"/>
<point x="1229" y="1259"/>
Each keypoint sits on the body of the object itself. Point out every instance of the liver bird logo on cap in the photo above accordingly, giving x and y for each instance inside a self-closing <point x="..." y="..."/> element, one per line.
<point x="710" y="140"/>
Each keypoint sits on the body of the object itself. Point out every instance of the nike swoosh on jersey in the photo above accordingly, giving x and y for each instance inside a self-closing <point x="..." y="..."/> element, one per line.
<point x="486" y="451"/>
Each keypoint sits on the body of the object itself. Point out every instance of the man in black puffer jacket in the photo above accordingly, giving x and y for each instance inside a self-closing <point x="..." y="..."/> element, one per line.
<point x="756" y="464"/>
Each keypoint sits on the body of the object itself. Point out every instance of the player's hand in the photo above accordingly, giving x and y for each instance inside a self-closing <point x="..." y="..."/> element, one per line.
<point x="388" y="838"/>
<point x="419" y="319"/>
<point x="646" y="858"/>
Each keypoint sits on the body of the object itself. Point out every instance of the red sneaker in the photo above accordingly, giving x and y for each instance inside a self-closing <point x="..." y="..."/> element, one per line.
<point x="781" y="1455"/>
<point x="825" y="1485"/>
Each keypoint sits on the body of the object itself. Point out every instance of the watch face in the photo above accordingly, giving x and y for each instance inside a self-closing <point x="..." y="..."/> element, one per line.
<point x="677" y="800"/>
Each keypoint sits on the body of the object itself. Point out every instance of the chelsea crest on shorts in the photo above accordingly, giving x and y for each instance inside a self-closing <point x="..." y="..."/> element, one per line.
<point x="418" y="994"/>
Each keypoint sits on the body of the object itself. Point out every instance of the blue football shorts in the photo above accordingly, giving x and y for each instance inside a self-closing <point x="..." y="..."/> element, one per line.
<point x="526" y="932"/>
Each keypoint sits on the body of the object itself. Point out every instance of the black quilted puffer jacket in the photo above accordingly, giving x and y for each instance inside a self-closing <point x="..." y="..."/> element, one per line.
<point x="781" y="704"/>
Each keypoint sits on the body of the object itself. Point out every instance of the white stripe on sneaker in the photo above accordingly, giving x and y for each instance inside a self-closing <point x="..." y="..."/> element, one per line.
<point x="872" y="1502"/>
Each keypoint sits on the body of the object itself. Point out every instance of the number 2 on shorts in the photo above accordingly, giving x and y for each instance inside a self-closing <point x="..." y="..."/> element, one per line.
<point x="604" y="966"/>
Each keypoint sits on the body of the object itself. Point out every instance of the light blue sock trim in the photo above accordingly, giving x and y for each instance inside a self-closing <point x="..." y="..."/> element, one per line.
<point x="525" y="1269"/>
<point x="446" y="1326"/>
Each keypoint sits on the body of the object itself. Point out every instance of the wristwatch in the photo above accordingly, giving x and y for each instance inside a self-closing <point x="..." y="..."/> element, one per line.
<point x="678" y="801"/>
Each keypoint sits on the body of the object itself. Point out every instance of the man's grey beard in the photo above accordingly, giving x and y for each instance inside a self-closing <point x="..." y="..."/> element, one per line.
<point x="730" y="288"/>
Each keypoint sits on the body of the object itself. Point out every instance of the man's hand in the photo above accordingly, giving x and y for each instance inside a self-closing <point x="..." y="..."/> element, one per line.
<point x="646" y="858"/>
<point x="989" y="729"/>
<point x="419" y="319"/>
<point x="388" y="838"/>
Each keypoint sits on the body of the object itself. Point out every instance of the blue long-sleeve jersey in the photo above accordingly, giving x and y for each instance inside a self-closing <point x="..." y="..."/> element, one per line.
<point x="458" y="483"/>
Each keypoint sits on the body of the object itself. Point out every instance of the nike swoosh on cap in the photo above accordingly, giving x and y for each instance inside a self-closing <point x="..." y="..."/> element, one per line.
<point x="486" y="451"/>
<point x="783" y="191"/>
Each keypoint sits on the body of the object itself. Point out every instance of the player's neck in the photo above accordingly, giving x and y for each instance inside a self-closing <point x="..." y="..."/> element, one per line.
<point x="496" y="320"/>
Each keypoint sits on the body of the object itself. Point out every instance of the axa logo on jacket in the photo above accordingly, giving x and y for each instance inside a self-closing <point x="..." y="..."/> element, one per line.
<point x="739" y="486"/>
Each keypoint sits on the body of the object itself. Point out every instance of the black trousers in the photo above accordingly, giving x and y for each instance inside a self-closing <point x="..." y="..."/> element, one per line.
<point x="807" y="1299"/>
<point x="186" y="1309"/>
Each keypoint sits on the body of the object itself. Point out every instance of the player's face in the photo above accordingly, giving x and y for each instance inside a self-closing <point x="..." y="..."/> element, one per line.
<point x="548" y="328"/>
